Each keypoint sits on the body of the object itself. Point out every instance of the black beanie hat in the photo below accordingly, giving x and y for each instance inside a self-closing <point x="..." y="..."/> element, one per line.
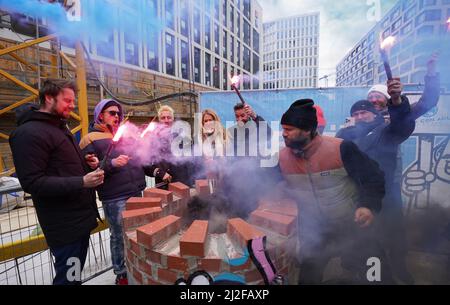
<point x="363" y="105"/>
<point x="301" y="114"/>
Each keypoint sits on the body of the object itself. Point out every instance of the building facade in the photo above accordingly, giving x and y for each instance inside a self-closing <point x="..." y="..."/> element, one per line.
<point x="291" y="52"/>
<point x="217" y="38"/>
<point x="417" y="25"/>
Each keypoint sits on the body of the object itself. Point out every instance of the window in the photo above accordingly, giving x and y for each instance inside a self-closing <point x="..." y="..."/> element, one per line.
<point x="247" y="32"/>
<point x="425" y="30"/>
<point x="232" y="49"/>
<point x="152" y="49"/>
<point x="255" y="64"/>
<point x="130" y="42"/>
<point x="197" y="65"/>
<point x="238" y="53"/>
<point x="232" y="19"/>
<point x="255" y="41"/>
<point x="207" y="32"/>
<point x="216" y="74"/>
<point x="170" y="18"/>
<point x="225" y="13"/>
<point x="170" y="54"/>
<point x="184" y="18"/>
<point x="225" y="77"/>
<point x="409" y="14"/>
<point x="217" y="9"/>
<point x="208" y="69"/>
<point x="247" y="9"/>
<point x="225" y="45"/>
<point x="246" y="59"/>
<point x="197" y="26"/>
<point x="216" y="39"/>
<point x="105" y="45"/>
<point x="184" y="60"/>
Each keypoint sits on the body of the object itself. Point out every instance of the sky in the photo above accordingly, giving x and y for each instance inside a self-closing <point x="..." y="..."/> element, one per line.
<point x="342" y="24"/>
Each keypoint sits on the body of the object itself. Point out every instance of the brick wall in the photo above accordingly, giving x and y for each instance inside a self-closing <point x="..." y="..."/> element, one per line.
<point x="159" y="250"/>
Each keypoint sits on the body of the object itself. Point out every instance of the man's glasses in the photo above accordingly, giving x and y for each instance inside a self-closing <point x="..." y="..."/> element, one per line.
<point x="113" y="113"/>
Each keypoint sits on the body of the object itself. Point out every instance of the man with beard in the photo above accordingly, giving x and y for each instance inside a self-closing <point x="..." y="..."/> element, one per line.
<point x="338" y="190"/>
<point x="51" y="168"/>
<point x="380" y="140"/>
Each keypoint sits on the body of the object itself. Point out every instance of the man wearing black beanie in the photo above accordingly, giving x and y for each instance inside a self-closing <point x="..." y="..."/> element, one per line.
<point x="338" y="189"/>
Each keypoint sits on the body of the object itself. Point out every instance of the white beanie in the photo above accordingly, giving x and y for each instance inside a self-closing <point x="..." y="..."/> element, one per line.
<point x="381" y="89"/>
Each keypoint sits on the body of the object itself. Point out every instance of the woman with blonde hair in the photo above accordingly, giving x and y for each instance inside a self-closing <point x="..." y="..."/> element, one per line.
<point x="213" y="135"/>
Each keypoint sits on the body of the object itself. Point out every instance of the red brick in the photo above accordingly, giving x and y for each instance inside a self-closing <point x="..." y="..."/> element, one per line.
<point x="241" y="231"/>
<point x="177" y="263"/>
<point x="131" y="257"/>
<point x="281" y="224"/>
<point x="136" y="203"/>
<point x="180" y="189"/>
<point x="283" y="207"/>
<point x="157" y="231"/>
<point x="153" y="256"/>
<point x="210" y="264"/>
<point x="137" y="218"/>
<point x="193" y="241"/>
<point x="134" y="246"/>
<point x="166" y="196"/>
<point x="202" y="187"/>
<point x="253" y="276"/>
<point x="167" y="276"/>
<point x="144" y="267"/>
<point x="137" y="275"/>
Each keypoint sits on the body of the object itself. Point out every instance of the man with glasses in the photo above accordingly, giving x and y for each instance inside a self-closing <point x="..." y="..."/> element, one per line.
<point x="124" y="176"/>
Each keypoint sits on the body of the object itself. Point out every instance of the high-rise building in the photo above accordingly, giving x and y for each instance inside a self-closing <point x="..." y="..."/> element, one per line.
<point x="291" y="52"/>
<point x="217" y="38"/>
<point x="412" y="23"/>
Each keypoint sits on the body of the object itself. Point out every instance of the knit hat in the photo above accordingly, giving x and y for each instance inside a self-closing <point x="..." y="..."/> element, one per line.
<point x="301" y="114"/>
<point x="104" y="104"/>
<point x="363" y="105"/>
<point x="320" y="116"/>
<point x="383" y="89"/>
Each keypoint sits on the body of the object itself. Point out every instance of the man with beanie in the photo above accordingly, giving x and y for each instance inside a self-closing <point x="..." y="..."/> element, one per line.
<point x="338" y="190"/>
<point x="378" y="95"/>
<point x="124" y="176"/>
<point x="380" y="140"/>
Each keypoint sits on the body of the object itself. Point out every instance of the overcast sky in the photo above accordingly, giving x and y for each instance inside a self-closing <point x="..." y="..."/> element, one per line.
<point x="342" y="24"/>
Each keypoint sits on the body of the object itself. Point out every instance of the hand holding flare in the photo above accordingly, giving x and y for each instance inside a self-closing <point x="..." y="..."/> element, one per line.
<point x="116" y="139"/>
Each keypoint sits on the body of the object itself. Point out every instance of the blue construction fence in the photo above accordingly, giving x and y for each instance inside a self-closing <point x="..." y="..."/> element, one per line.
<point x="425" y="156"/>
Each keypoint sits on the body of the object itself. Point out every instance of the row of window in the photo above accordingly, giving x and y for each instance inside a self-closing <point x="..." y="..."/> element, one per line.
<point x="291" y="54"/>
<point x="285" y="84"/>
<point x="291" y="73"/>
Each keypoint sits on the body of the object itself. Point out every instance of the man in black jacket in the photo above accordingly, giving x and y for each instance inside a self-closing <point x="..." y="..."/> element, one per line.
<point x="51" y="168"/>
<point x="380" y="140"/>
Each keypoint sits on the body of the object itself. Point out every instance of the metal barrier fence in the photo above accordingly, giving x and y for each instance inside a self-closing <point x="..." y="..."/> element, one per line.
<point x="24" y="255"/>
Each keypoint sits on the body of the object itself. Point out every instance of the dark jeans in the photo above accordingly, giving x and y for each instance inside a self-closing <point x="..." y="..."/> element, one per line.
<point x="69" y="261"/>
<point x="113" y="212"/>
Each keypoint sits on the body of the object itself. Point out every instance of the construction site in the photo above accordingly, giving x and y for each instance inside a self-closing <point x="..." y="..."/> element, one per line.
<point x="176" y="232"/>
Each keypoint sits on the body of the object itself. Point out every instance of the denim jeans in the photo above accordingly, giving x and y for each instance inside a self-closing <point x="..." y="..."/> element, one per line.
<point x="68" y="258"/>
<point x="113" y="212"/>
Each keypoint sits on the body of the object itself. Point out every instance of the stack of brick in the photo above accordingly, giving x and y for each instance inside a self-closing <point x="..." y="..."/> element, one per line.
<point x="155" y="221"/>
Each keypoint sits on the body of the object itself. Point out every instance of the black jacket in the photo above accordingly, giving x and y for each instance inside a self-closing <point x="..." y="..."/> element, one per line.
<point x="381" y="140"/>
<point x="50" y="167"/>
<point x="123" y="182"/>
